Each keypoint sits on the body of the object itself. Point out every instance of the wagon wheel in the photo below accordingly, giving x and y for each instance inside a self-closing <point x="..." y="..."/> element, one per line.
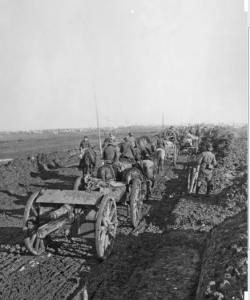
<point x="189" y="179"/>
<point x="136" y="202"/>
<point x="105" y="227"/>
<point x="77" y="184"/>
<point x="31" y="222"/>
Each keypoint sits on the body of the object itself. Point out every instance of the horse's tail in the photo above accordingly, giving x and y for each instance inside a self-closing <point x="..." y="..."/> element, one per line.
<point x="160" y="154"/>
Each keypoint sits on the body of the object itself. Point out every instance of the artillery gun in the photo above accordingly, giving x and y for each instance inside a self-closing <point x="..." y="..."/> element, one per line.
<point x="48" y="211"/>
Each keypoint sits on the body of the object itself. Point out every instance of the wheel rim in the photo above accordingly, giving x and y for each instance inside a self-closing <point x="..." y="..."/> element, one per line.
<point x="136" y="205"/>
<point x="106" y="228"/>
<point x="77" y="184"/>
<point x="34" y="244"/>
<point x="31" y="223"/>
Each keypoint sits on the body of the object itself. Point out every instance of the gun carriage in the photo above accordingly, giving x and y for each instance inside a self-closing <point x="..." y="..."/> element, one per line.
<point x="93" y="202"/>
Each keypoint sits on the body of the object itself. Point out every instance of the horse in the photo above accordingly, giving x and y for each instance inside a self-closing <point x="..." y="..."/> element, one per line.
<point x="144" y="143"/>
<point x="114" y="171"/>
<point x="160" y="158"/>
<point x="108" y="172"/>
<point x="87" y="161"/>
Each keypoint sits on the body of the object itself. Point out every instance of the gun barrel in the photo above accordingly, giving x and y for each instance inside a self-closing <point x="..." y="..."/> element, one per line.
<point x="51" y="226"/>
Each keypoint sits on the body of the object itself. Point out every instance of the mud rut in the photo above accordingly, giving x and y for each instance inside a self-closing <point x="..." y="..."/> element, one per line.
<point x="151" y="262"/>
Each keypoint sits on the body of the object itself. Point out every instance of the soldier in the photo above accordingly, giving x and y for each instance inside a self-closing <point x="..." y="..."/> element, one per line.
<point x="172" y="136"/>
<point x="160" y="143"/>
<point x="206" y="164"/>
<point x="85" y="143"/>
<point x="87" y="157"/>
<point x="131" y="139"/>
<point x="110" y="152"/>
<point x="110" y="157"/>
<point x="109" y="139"/>
<point x="127" y="150"/>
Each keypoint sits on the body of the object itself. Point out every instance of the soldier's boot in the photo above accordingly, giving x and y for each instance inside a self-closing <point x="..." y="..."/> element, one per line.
<point x="197" y="189"/>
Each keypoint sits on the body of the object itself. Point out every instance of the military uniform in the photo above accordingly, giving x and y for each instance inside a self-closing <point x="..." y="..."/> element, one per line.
<point x="207" y="162"/>
<point x="127" y="151"/>
<point x="160" y="143"/>
<point x="85" y="144"/>
<point x="131" y="140"/>
<point x="137" y="154"/>
<point x="110" y="153"/>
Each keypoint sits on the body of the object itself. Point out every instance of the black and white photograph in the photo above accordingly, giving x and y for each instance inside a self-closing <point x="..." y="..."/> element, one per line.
<point x="124" y="149"/>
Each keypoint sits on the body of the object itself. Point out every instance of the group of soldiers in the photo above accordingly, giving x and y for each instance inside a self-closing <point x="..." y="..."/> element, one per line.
<point x="129" y="150"/>
<point x="112" y="151"/>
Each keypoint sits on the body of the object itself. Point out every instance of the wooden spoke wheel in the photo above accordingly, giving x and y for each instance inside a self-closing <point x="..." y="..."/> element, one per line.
<point x="189" y="179"/>
<point x="78" y="183"/>
<point x="105" y="227"/>
<point x="136" y="201"/>
<point x="31" y="223"/>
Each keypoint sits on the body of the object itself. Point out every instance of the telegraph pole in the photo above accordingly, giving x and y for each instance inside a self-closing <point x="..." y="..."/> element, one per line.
<point x="163" y="121"/>
<point x="97" y="121"/>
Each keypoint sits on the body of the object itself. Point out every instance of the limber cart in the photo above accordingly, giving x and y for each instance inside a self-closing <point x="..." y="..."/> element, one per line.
<point x="82" y="212"/>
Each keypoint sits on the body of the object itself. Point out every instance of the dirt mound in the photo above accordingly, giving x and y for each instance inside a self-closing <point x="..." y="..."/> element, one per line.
<point x="58" y="159"/>
<point x="224" y="264"/>
<point x="16" y="175"/>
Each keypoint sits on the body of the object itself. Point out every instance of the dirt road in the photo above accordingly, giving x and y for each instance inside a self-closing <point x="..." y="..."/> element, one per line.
<point x="60" y="273"/>
<point x="153" y="262"/>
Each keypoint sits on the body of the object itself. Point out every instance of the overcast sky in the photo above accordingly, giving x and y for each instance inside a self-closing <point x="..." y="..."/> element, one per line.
<point x="186" y="59"/>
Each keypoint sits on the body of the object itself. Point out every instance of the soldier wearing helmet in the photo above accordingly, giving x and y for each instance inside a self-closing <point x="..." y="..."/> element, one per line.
<point x="206" y="164"/>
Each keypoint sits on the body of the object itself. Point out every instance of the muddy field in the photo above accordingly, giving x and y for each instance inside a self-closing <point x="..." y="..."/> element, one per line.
<point x="186" y="247"/>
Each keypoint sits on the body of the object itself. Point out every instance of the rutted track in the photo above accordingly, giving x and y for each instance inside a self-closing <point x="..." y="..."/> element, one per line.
<point x="158" y="263"/>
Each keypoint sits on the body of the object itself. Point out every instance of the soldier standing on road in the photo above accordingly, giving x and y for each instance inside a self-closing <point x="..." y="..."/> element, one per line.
<point x="172" y="136"/>
<point x="206" y="164"/>
<point x="160" y="143"/>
